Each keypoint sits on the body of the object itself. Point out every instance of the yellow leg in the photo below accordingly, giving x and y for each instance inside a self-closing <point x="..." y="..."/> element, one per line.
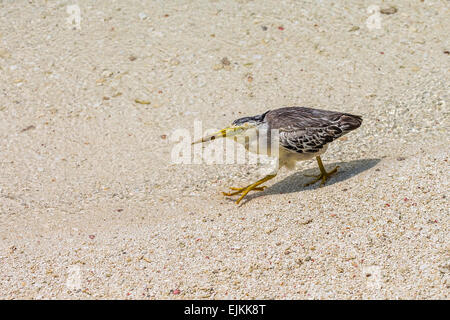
<point x="253" y="186"/>
<point x="324" y="175"/>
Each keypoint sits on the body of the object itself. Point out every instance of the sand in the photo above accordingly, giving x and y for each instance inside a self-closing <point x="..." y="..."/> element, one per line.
<point x="92" y="207"/>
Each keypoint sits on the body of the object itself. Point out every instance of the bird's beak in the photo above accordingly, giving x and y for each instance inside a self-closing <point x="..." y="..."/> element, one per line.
<point x="226" y="132"/>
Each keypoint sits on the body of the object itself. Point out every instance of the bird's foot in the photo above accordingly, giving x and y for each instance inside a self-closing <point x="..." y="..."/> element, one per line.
<point x="254" y="186"/>
<point x="240" y="190"/>
<point x="243" y="191"/>
<point x="324" y="176"/>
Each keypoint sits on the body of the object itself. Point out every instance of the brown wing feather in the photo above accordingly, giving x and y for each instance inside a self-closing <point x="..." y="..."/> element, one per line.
<point x="307" y="130"/>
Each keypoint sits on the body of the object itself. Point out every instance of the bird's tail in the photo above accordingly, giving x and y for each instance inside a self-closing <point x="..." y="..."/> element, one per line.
<point x="226" y="132"/>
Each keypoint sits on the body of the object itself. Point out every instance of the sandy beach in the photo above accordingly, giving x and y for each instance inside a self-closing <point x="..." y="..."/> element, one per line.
<point x="93" y="207"/>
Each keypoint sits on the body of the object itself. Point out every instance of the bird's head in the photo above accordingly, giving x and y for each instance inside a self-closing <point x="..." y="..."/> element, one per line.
<point x="250" y="121"/>
<point x="237" y="127"/>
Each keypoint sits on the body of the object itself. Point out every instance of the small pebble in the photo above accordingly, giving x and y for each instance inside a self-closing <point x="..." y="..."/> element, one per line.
<point x="142" y="16"/>
<point x="225" y="61"/>
<point x="141" y="101"/>
<point x="31" y="127"/>
<point x="390" y="10"/>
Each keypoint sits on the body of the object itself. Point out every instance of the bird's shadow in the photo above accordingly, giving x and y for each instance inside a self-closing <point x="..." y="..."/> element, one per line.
<point x="296" y="182"/>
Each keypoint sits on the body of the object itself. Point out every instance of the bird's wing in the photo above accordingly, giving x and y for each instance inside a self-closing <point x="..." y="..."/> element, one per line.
<point x="308" y="140"/>
<point x="306" y="130"/>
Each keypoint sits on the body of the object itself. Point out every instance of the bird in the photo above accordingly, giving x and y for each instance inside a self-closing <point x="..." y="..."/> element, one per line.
<point x="303" y="133"/>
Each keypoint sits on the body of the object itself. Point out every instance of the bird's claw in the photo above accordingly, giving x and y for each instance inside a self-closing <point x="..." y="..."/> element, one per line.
<point x="240" y="190"/>
<point x="254" y="186"/>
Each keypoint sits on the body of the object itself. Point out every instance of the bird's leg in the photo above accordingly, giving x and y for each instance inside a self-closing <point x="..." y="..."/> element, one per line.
<point x="247" y="189"/>
<point x="324" y="175"/>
